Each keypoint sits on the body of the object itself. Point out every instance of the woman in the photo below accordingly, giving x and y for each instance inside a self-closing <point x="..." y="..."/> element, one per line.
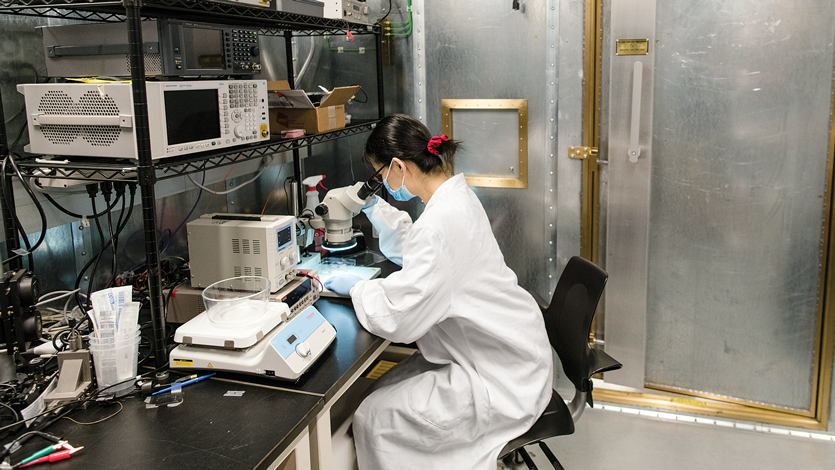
<point x="484" y="371"/>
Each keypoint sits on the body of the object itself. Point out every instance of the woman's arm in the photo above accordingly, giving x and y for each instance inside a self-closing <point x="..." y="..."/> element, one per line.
<point x="391" y="223"/>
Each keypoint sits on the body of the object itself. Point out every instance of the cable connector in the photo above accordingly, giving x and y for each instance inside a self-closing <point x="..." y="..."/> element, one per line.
<point x="92" y="190"/>
<point x="119" y="186"/>
<point x="106" y="190"/>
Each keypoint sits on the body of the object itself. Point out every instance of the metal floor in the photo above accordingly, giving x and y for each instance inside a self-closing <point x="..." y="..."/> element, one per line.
<point x="613" y="439"/>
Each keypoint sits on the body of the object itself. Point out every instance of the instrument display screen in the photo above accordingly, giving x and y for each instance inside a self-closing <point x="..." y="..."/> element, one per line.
<point x="191" y="115"/>
<point x="203" y="48"/>
<point x="284" y="235"/>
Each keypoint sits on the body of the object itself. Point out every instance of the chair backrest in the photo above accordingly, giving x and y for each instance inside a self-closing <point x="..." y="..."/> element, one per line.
<point x="568" y="318"/>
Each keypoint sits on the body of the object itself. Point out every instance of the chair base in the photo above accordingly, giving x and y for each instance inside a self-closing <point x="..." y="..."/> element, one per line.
<point x="555" y="421"/>
<point x="521" y="456"/>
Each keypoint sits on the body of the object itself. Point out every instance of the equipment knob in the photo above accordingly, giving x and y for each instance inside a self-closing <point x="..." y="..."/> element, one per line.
<point x="321" y="210"/>
<point x="285" y="262"/>
<point x="254" y="51"/>
<point x="240" y="131"/>
<point x="303" y="349"/>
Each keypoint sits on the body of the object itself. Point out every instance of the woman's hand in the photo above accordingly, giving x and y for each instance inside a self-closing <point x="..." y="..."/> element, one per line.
<point x="342" y="284"/>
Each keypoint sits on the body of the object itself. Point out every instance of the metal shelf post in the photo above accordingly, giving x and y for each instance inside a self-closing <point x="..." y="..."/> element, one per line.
<point x="147" y="178"/>
<point x="381" y="104"/>
<point x="291" y="79"/>
<point x="10" y="232"/>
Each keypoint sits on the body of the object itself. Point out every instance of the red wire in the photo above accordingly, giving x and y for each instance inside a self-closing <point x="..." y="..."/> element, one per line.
<point x="321" y="286"/>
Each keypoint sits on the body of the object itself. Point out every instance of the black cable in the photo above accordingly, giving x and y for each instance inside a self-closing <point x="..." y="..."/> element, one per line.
<point x="79" y="216"/>
<point x="169" y="295"/>
<point x="7" y="196"/>
<point x="132" y="187"/>
<point x="290" y="210"/>
<point x="15" y="414"/>
<point x="92" y="190"/>
<point x="90" y="283"/>
<point x="387" y="14"/>
<point x="364" y="93"/>
<point x="107" y="191"/>
<point x="118" y="224"/>
<point x="10" y="159"/>
<point x="23" y="438"/>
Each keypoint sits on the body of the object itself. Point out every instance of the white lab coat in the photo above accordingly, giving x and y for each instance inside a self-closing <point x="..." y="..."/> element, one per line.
<point x="484" y="373"/>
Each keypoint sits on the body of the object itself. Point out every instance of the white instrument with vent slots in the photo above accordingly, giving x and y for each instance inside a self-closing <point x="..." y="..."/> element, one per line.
<point x="221" y="246"/>
<point x="184" y="117"/>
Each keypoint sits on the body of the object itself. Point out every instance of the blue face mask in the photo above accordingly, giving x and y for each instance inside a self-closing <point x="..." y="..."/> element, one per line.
<point x="402" y="194"/>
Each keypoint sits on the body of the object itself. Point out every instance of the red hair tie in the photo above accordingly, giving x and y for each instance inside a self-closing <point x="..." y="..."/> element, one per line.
<point x="434" y="142"/>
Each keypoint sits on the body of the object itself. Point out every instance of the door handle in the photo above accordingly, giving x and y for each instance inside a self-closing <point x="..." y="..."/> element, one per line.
<point x="635" y="128"/>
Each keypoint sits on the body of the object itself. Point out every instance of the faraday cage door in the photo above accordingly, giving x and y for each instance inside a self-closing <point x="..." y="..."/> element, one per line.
<point x="718" y="151"/>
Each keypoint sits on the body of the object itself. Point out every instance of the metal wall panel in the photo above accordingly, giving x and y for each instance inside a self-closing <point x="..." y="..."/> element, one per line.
<point x="491" y="51"/>
<point x="628" y="194"/>
<point x="568" y="181"/>
<point x="741" y="139"/>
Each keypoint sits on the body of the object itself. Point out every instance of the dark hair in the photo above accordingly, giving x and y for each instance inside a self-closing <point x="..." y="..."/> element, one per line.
<point x="404" y="137"/>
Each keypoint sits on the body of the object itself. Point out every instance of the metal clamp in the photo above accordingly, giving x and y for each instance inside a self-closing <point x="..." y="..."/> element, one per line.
<point x="581" y="153"/>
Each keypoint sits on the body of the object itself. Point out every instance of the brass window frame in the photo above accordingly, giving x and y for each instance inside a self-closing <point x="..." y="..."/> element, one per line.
<point x="493" y="181"/>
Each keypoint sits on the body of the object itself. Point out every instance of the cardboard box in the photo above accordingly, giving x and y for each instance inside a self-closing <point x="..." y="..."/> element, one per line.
<point x="294" y="110"/>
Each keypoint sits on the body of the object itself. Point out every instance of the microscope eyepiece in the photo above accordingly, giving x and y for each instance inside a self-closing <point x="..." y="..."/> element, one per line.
<point x="369" y="188"/>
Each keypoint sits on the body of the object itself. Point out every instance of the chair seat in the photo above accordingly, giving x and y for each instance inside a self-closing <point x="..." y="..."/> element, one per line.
<point x="555" y="421"/>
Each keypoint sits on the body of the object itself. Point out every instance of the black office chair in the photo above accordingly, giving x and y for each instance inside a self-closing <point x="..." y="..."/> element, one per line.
<point x="568" y="322"/>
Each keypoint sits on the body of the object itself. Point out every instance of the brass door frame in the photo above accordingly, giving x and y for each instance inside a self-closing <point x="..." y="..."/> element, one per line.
<point x="705" y="404"/>
<point x="589" y="205"/>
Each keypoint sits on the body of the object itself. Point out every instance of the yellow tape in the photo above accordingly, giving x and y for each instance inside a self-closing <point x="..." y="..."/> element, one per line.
<point x="689" y="401"/>
<point x="381" y="368"/>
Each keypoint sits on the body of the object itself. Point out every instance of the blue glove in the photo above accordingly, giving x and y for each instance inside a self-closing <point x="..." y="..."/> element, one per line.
<point x="370" y="203"/>
<point x="342" y="284"/>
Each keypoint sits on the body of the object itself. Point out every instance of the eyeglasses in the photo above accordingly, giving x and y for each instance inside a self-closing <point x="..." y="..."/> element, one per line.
<point x="377" y="176"/>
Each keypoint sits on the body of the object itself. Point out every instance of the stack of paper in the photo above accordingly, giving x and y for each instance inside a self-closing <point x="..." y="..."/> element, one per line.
<point x="114" y="313"/>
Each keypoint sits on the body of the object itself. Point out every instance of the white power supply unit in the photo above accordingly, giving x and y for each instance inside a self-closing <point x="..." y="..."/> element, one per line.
<point x="355" y="11"/>
<point x="221" y="246"/>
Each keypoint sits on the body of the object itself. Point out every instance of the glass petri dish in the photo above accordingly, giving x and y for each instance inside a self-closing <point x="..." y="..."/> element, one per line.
<point x="238" y="301"/>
